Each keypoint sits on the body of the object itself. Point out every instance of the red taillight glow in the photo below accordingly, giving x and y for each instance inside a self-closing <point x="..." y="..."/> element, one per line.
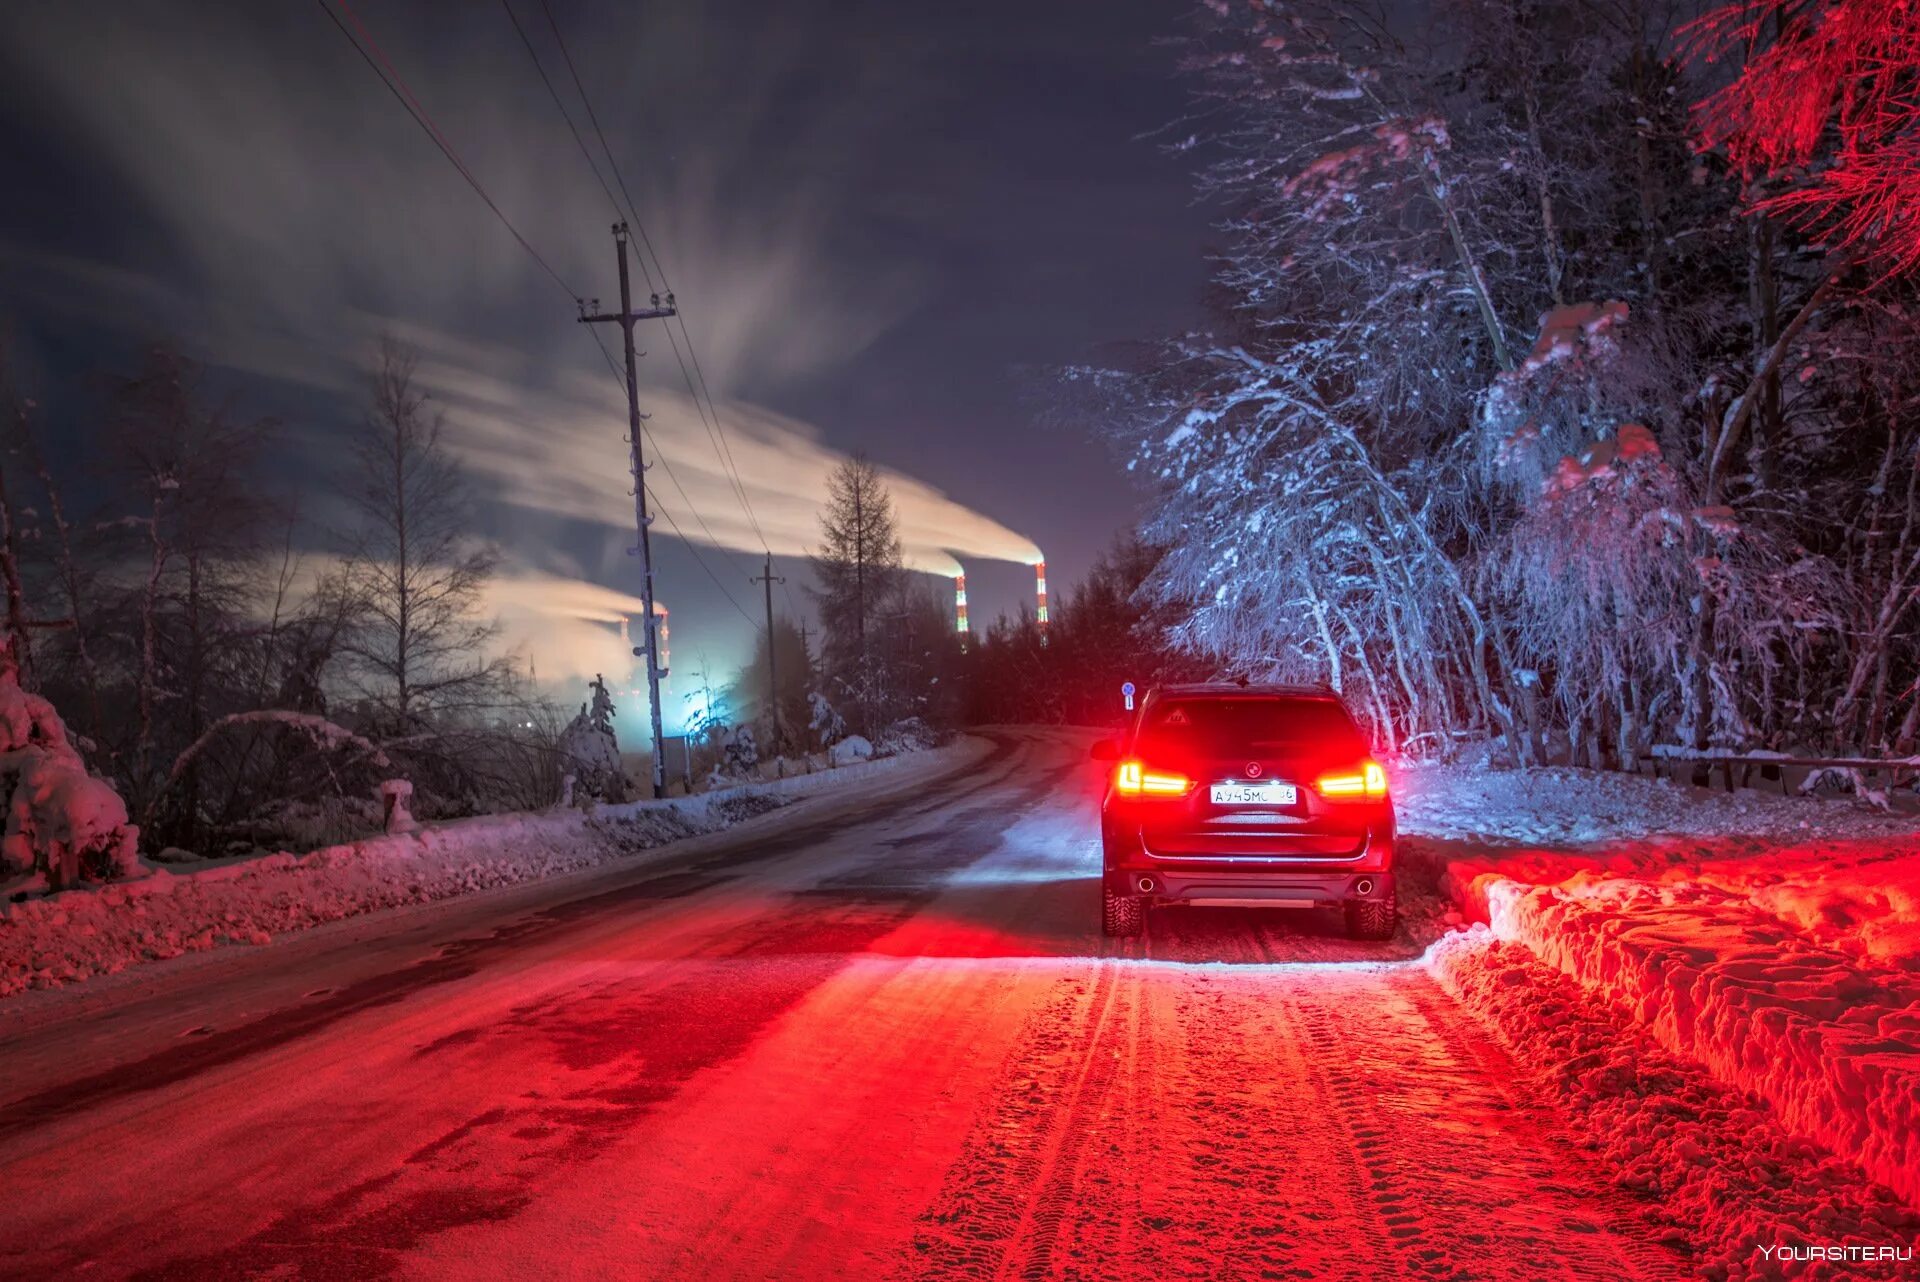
<point x="1368" y="783"/>
<point x="1135" y="779"/>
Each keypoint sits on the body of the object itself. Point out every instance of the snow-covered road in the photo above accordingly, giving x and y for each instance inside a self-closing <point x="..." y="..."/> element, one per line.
<point x="867" y="1037"/>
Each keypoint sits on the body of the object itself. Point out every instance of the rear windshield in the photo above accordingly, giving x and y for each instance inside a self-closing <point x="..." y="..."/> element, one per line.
<point x="1248" y="727"/>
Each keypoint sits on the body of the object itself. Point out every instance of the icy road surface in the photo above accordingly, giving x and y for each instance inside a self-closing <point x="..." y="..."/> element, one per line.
<point x="877" y="1036"/>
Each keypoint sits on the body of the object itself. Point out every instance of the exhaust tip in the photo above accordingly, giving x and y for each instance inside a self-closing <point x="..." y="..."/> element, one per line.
<point x="1146" y="885"/>
<point x="1364" y="886"/>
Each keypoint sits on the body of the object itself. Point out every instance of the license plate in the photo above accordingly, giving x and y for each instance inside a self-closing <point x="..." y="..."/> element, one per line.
<point x="1265" y="793"/>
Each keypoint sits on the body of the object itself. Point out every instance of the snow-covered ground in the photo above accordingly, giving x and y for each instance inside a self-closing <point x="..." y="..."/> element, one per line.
<point x="477" y="1088"/>
<point x="1725" y="1178"/>
<point x="62" y="938"/>
<point x="1775" y="941"/>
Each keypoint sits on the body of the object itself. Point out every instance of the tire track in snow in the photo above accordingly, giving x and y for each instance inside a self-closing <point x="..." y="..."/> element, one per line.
<point x="1466" y="1183"/>
<point x="1003" y="1203"/>
<point x="1492" y="1066"/>
<point x="1317" y="1125"/>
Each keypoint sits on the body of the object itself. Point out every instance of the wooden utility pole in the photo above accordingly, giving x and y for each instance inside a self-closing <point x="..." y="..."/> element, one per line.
<point x="625" y="318"/>
<point x="773" y="666"/>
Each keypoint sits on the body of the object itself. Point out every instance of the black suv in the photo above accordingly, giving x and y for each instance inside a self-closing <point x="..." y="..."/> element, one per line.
<point x="1245" y="796"/>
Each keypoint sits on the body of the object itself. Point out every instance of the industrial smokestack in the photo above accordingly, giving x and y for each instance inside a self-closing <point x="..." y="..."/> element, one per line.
<point x="960" y="604"/>
<point x="1040" y="591"/>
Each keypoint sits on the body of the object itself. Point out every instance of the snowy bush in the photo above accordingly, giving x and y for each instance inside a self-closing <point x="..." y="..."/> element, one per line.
<point x="61" y="822"/>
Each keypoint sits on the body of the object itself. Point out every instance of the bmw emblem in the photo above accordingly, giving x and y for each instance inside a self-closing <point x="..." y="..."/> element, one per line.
<point x="1253" y="770"/>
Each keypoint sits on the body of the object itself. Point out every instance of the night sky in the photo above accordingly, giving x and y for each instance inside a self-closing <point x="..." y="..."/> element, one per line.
<point x="883" y="223"/>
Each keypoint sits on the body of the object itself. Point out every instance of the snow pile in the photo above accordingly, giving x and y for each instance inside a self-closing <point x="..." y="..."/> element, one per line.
<point x="908" y="735"/>
<point x="61" y="823"/>
<point x="850" y="749"/>
<point x="1835" y="1050"/>
<point x="1723" y="1176"/>
<point x="73" y="936"/>
<point x="1773" y="940"/>
<point x="1630" y="449"/>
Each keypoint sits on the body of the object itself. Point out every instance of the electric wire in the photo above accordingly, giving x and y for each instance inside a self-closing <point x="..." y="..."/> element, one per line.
<point x="565" y="115"/>
<point x="661" y="507"/>
<point x="710" y="414"/>
<point x="660" y="454"/>
<point x="396" y="85"/>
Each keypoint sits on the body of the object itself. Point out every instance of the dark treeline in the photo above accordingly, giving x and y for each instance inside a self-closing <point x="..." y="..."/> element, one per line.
<point x="1100" y="635"/>
<point x="243" y="673"/>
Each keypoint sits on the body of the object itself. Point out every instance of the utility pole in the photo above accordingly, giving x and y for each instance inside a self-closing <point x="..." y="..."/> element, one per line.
<point x="773" y="666"/>
<point x="625" y="318"/>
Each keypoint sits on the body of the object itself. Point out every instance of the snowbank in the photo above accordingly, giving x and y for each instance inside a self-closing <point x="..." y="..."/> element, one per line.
<point x="1773" y="940"/>
<point x="67" y="937"/>
<point x="1834" y="1049"/>
<point x="1724" y="1178"/>
<point x="852" y="748"/>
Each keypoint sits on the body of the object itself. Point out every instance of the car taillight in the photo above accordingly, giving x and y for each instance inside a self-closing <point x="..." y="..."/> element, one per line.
<point x="1136" y="779"/>
<point x="1368" y="783"/>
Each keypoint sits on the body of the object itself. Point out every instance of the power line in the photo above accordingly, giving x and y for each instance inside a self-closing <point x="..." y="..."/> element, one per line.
<point x="710" y="415"/>
<point x="397" y="86"/>
<point x="694" y="548"/>
<point x="566" y="116"/>
<point x="534" y="56"/>
<point x="618" y="177"/>
<point x="661" y="457"/>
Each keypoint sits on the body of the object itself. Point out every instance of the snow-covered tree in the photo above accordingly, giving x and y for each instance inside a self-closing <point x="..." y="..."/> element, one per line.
<point x="1824" y="101"/>
<point x="589" y="752"/>
<point x="826" y="724"/>
<point x="739" y="751"/>
<point x="1361" y="467"/>
<point x="61" y="822"/>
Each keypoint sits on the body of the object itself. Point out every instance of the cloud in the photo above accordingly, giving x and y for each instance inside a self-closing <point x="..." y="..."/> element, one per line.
<point x="568" y="630"/>
<point x="299" y="213"/>
<point x="561" y="451"/>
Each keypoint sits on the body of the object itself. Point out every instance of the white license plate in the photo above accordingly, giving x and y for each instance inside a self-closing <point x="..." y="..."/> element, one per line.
<point x="1266" y="793"/>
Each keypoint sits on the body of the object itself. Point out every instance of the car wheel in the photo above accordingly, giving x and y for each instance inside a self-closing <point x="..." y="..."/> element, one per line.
<point x="1120" y="915"/>
<point x="1372" y="918"/>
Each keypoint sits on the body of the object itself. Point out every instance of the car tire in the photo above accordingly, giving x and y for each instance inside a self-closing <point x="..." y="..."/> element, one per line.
<point x="1121" y="916"/>
<point x="1373" y="919"/>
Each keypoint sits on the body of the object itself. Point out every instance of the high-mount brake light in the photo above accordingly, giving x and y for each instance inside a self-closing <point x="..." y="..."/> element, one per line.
<point x="1368" y="783"/>
<point x="1135" y="779"/>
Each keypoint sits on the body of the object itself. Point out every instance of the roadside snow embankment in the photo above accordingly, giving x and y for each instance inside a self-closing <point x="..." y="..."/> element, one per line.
<point x="1835" y="1050"/>
<point x="1725" y="1178"/>
<point x="73" y="936"/>
<point x="1774" y="941"/>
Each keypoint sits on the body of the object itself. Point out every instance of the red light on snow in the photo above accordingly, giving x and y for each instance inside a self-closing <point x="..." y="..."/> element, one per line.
<point x="1369" y="782"/>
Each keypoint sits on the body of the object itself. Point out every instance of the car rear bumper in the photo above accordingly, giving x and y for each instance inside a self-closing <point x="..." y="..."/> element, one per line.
<point x="1262" y="890"/>
<point x="1219" y="878"/>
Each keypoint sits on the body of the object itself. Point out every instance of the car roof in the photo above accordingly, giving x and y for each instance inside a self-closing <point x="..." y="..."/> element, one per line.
<point x="1237" y="690"/>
